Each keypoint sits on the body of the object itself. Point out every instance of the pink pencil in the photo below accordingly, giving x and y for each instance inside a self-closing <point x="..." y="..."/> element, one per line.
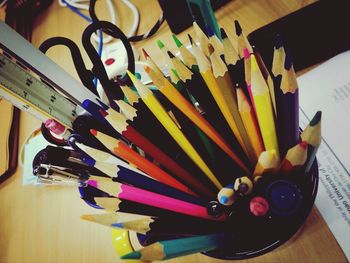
<point x="134" y="194"/>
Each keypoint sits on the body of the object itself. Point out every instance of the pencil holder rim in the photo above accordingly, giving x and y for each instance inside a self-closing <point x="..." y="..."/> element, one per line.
<point x="239" y="255"/>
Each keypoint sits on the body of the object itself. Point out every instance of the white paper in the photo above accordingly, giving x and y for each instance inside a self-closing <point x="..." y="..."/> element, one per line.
<point x="327" y="88"/>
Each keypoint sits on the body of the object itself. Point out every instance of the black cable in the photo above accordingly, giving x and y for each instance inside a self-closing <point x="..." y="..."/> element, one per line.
<point x="84" y="74"/>
<point x="150" y="33"/>
<point x="98" y="69"/>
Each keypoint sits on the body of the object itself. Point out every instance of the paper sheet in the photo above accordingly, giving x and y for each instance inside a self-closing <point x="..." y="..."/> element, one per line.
<point x="327" y="88"/>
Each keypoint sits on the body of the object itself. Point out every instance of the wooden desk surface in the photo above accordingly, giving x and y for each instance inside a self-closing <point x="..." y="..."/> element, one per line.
<point x="42" y="224"/>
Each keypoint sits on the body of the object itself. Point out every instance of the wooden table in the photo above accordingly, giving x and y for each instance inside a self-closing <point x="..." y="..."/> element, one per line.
<point x="42" y="224"/>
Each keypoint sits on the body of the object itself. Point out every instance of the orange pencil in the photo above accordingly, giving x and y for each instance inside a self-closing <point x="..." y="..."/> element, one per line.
<point x="125" y="152"/>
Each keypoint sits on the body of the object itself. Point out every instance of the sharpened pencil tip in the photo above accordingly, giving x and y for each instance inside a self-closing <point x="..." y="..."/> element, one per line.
<point x="131" y="76"/>
<point x="246" y="53"/>
<point x="210" y="49"/>
<point x="145" y="54"/>
<point x="288" y="61"/>
<point x="87" y="217"/>
<point x="132" y="255"/>
<point x="171" y="55"/>
<point x="238" y="28"/>
<point x="89" y="161"/>
<point x="160" y="44"/>
<point x="316" y="119"/>
<point x="223" y="33"/>
<point x="177" y="41"/>
<point x="209" y="31"/>
<point x="147" y="68"/>
<point x="278" y="41"/>
<point x="93" y="132"/>
<point x="254" y="63"/>
<point x="190" y="38"/>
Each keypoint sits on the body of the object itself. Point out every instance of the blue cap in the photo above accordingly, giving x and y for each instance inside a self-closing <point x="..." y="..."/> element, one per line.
<point x="284" y="197"/>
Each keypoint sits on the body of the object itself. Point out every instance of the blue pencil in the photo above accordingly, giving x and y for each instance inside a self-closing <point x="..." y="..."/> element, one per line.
<point x="123" y="172"/>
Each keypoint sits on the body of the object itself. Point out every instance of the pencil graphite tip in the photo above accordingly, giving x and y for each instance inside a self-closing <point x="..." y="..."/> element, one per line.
<point x="190" y="38"/>
<point x="131" y="76"/>
<point x="103" y="113"/>
<point x="316" y="119"/>
<point x="209" y="31"/>
<point x="89" y="161"/>
<point x="288" y="61"/>
<point x="171" y="55"/>
<point x="147" y="68"/>
<point x="86" y="103"/>
<point x="87" y="217"/>
<point x="210" y="49"/>
<point x="132" y="255"/>
<point x="177" y="41"/>
<point x="93" y="132"/>
<point x="303" y="144"/>
<point x="145" y="54"/>
<point x="160" y="44"/>
<point x="246" y="53"/>
<point x="238" y="28"/>
<point x="278" y="41"/>
<point x="223" y="33"/>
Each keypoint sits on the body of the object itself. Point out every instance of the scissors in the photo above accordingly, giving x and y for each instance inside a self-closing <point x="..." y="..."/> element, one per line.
<point x="87" y="76"/>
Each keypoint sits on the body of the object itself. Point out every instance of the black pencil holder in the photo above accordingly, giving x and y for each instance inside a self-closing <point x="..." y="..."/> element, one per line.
<point x="253" y="236"/>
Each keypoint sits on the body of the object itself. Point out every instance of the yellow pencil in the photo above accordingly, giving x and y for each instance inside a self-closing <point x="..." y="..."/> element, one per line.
<point x="233" y="117"/>
<point x="263" y="107"/>
<point x="188" y="109"/>
<point x="157" y="109"/>
<point x="268" y="162"/>
<point x="249" y="122"/>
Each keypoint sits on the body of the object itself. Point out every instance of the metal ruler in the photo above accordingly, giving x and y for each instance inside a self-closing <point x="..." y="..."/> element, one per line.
<point x="34" y="83"/>
<point x="29" y="93"/>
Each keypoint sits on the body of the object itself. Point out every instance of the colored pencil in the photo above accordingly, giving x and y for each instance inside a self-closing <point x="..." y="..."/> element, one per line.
<point x="234" y="63"/>
<point x="178" y="247"/>
<point x="125" y="152"/>
<point x="178" y="163"/>
<point x="164" y="51"/>
<point x="215" y="115"/>
<point x="134" y="194"/>
<point x="187" y="57"/>
<point x="279" y="57"/>
<point x="215" y="41"/>
<point x="312" y="135"/>
<point x="268" y="163"/>
<point x="295" y="159"/>
<point x="263" y="106"/>
<point x="231" y="112"/>
<point x="129" y="94"/>
<point x="127" y="130"/>
<point x="202" y="38"/>
<point x="242" y="41"/>
<point x="249" y="121"/>
<point x="287" y="107"/>
<point x="172" y="128"/>
<point x="117" y="205"/>
<point x="148" y="225"/>
<point x="226" y="195"/>
<point x="125" y="173"/>
<point x="183" y="105"/>
<point x="126" y="109"/>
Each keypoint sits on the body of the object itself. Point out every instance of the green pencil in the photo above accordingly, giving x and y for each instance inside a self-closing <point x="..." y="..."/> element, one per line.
<point x="178" y="247"/>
